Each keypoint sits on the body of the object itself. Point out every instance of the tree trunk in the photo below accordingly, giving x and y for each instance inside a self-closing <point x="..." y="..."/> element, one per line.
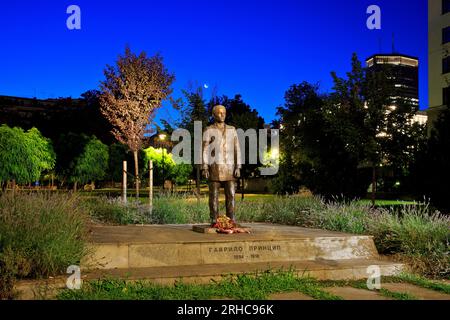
<point x="374" y="184"/>
<point x="136" y="172"/>
<point x="75" y="186"/>
<point x="242" y="188"/>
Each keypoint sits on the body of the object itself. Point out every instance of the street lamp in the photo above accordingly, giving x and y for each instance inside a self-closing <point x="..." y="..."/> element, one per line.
<point x="162" y="137"/>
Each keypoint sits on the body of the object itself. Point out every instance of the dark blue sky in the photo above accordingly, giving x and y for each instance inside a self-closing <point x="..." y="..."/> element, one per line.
<point x="256" y="48"/>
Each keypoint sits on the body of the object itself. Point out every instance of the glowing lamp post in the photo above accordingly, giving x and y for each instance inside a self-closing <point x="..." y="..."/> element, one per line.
<point x="162" y="137"/>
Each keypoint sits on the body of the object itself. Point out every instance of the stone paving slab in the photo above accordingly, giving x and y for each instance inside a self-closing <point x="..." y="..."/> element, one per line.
<point x="183" y="234"/>
<point x="350" y="293"/>
<point x="289" y="296"/>
<point x="321" y="270"/>
<point x="418" y="292"/>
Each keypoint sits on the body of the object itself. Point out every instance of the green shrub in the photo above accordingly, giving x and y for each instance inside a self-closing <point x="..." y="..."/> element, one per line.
<point x="40" y="235"/>
<point x="114" y="211"/>
<point x="420" y="236"/>
<point x="179" y="209"/>
<point x="167" y="209"/>
<point x="289" y="210"/>
<point x="351" y="217"/>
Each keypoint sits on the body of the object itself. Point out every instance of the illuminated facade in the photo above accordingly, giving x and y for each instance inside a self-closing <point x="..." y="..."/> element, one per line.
<point x="438" y="56"/>
<point x="405" y="74"/>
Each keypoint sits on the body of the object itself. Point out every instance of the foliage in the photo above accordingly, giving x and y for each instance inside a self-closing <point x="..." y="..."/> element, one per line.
<point x="424" y="283"/>
<point x="194" y="109"/>
<point x="319" y="144"/>
<point x="165" y="167"/>
<point x="336" y="142"/>
<point x="117" y="154"/>
<point x="285" y="182"/>
<point x="40" y="235"/>
<point x="242" y="116"/>
<point x="351" y="217"/>
<point x="163" y="163"/>
<point x="24" y="156"/>
<point x="421" y="237"/>
<point x="180" y="173"/>
<point x="68" y="147"/>
<point x="243" y="287"/>
<point x="179" y="209"/>
<point x="133" y="89"/>
<point x="131" y="93"/>
<point x="91" y="121"/>
<point x="92" y="164"/>
<point x="258" y="285"/>
<point x="81" y="158"/>
<point x="397" y="295"/>
<point x="167" y="209"/>
<point x="430" y="171"/>
<point x="114" y="211"/>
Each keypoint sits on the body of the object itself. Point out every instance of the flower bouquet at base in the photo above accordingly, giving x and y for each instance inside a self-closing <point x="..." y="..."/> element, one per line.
<point x="225" y="225"/>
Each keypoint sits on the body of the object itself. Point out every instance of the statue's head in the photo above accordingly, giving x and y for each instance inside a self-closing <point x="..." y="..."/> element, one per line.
<point x="219" y="113"/>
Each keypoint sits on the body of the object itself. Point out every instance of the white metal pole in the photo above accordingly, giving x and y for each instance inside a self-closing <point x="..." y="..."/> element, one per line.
<point x="124" y="182"/>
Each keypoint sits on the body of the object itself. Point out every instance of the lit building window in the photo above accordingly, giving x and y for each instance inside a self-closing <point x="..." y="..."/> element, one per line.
<point x="446" y="35"/>
<point x="446" y="65"/>
<point x="445" y="6"/>
<point x="446" y="96"/>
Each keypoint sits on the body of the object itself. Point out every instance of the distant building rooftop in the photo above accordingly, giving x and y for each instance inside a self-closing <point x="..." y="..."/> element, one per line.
<point x="392" y="58"/>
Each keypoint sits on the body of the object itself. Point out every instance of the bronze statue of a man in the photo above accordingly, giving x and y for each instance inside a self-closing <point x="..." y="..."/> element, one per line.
<point x="221" y="163"/>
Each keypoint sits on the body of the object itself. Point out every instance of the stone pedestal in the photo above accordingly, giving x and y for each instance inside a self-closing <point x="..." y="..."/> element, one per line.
<point x="170" y="251"/>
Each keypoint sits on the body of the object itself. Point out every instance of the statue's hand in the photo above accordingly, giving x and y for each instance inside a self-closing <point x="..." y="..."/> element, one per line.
<point x="237" y="173"/>
<point x="205" y="174"/>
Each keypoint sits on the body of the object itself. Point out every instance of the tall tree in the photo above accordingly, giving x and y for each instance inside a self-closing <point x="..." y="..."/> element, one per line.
<point x="392" y="135"/>
<point x="24" y="156"/>
<point x="317" y="148"/>
<point x="91" y="164"/>
<point x="431" y="172"/>
<point x="242" y="116"/>
<point x="132" y="91"/>
<point x="356" y="123"/>
<point x="194" y="109"/>
<point x="337" y="142"/>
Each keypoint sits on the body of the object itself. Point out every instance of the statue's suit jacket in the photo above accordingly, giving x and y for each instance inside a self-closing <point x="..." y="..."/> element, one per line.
<point x="221" y="158"/>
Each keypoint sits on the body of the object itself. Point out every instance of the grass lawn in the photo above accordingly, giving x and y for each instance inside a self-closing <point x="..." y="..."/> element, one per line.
<point x="187" y="194"/>
<point x="247" y="196"/>
<point x="243" y="287"/>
